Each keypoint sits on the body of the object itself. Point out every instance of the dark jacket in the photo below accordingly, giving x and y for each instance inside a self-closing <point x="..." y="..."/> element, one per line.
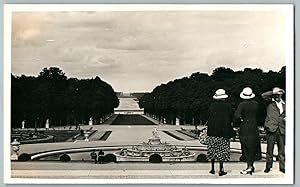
<point x="220" y="119"/>
<point x="274" y="119"/>
<point x="247" y="113"/>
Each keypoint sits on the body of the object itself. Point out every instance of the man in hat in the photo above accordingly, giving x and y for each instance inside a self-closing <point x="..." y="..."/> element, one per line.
<point x="275" y="128"/>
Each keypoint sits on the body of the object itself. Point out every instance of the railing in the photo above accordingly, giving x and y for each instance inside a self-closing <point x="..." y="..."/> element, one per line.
<point x="39" y="155"/>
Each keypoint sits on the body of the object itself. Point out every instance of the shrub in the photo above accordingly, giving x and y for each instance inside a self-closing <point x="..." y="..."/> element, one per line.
<point x="24" y="157"/>
<point x="155" y="158"/>
<point x="202" y="158"/>
<point x="110" y="158"/>
<point x="65" y="158"/>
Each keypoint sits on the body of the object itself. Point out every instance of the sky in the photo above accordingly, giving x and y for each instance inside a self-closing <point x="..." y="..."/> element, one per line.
<point x="136" y="51"/>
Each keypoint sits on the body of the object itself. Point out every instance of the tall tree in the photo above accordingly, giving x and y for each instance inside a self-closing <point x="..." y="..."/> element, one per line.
<point x="189" y="98"/>
<point x="64" y="101"/>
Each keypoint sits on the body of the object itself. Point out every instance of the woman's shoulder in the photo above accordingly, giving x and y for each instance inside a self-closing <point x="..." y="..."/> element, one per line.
<point x="214" y="104"/>
<point x="249" y="102"/>
<point x="220" y="104"/>
<point x="228" y="104"/>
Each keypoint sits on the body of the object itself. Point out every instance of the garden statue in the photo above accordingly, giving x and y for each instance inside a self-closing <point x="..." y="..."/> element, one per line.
<point x="154" y="133"/>
<point x="91" y="121"/>
<point x="47" y="124"/>
<point x="15" y="146"/>
<point x="86" y="135"/>
<point x="23" y="124"/>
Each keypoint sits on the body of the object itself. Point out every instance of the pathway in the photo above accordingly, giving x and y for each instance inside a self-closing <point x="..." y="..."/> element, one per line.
<point x="76" y="170"/>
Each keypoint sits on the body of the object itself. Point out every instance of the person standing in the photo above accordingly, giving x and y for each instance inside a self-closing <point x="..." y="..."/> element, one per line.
<point x="101" y="157"/>
<point x="247" y="113"/>
<point x="275" y="128"/>
<point x="94" y="156"/>
<point x="219" y="131"/>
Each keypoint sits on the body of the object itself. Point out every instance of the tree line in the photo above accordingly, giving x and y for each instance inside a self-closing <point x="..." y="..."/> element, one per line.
<point x="189" y="98"/>
<point x="64" y="101"/>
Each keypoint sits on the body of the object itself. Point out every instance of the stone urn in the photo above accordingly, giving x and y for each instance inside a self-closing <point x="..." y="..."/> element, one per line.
<point x="15" y="147"/>
<point x="86" y="135"/>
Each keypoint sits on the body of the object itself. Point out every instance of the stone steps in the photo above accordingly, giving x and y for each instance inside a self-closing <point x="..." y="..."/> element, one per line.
<point x="140" y="171"/>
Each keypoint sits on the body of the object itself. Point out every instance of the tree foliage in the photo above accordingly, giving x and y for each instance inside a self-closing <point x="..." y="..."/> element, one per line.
<point x="62" y="100"/>
<point x="189" y="98"/>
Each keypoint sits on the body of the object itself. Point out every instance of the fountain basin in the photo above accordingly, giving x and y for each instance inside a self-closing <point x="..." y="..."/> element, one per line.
<point x="164" y="152"/>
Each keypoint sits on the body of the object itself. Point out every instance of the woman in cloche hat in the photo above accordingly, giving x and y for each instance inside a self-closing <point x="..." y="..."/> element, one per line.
<point x="247" y="113"/>
<point x="219" y="131"/>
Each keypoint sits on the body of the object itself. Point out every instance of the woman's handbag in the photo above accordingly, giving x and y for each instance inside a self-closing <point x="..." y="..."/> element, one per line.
<point x="203" y="138"/>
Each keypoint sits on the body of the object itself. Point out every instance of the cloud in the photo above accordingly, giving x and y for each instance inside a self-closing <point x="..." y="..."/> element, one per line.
<point x="138" y="50"/>
<point x="27" y="28"/>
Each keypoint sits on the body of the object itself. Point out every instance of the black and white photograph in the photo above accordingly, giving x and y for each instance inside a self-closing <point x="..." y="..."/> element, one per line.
<point x="149" y="94"/>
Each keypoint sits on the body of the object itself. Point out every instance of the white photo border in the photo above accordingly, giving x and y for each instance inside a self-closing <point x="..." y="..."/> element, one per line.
<point x="290" y="82"/>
